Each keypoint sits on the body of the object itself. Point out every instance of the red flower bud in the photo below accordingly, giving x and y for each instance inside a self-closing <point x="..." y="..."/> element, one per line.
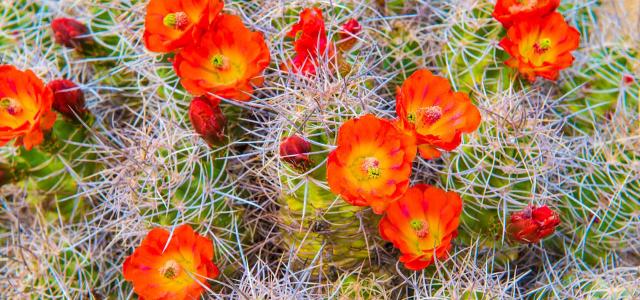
<point x="68" y="32"/>
<point x="68" y="98"/>
<point x="347" y="36"/>
<point x="627" y="79"/>
<point x="207" y="119"/>
<point x="294" y="150"/>
<point x="350" y="28"/>
<point x="532" y="224"/>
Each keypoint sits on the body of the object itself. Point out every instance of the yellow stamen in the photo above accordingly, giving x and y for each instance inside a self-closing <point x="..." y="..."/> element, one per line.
<point x="170" y="269"/>
<point x="420" y="227"/>
<point x="220" y="61"/>
<point x="412" y="118"/>
<point x="178" y="20"/>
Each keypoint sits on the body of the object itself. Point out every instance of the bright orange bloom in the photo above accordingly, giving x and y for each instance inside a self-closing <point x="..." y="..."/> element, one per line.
<point x="172" y="24"/>
<point x="25" y="107"/>
<point x="422" y="224"/>
<point x="227" y="62"/>
<point x="310" y="42"/>
<point x="426" y="105"/>
<point x="509" y="11"/>
<point x="309" y="33"/>
<point x="372" y="164"/>
<point x="169" y="266"/>
<point x="541" y="46"/>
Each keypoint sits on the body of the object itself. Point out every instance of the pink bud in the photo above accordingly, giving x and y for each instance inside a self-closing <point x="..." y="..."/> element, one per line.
<point x="68" y="32"/>
<point x="294" y="150"/>
<point x="68" y="98"/>
<point x="207" y="119"/>
<point x="532" y="224"/>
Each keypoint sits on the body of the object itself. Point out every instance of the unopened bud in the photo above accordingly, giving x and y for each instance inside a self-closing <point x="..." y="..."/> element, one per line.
<point x="532" y="224"/>
<point x="69" y="32"/>
<point x="68" y="98"/>
<point x="207" y="119"/>
<point x="294" y="150"/>
<point x="348" y="34"/>
<point x="627" y="79"/>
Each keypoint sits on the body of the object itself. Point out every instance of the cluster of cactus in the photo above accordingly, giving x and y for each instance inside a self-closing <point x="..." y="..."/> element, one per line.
<point x="319" y="230"/>
<point x="531" y="149"/>
<point x="505" y="164"/>
<point x="99" y="181"/>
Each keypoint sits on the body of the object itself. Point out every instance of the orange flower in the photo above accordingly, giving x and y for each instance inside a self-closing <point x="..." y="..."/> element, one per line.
<point x="372" y="163"/>
<point x="426" y="105"/>
<point x="310" y="42"/>
<point x="309" y="33"/>
<point x="172" y="24"/>
<point x="422" y="224"/>
<point x="169" y="266"/>
<point x="540" y="46"/>
<point x="25" y="107"/>
<point x="228" y="61"/>
<point x="508" y="11"/>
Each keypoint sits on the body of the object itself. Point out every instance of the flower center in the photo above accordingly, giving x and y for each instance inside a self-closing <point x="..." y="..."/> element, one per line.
<point x="12" y="106"/>
<point x="371" y="166"/>
<point x="220" y="61"/>
<point x="420" y="227"/>
<point x="412" y="118"/>
<point x="170" y="269"/>
<point x="429" y="115"/>
<point x="177" y="20"/>
<point x="542" y="46"/>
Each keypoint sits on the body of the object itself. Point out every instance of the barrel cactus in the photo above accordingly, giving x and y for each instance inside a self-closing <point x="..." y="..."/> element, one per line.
<point x="605" y="85"/>
<point x="318" y="230"/>
<point x="601" y="210"/>
<point x="469" y="53"/>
